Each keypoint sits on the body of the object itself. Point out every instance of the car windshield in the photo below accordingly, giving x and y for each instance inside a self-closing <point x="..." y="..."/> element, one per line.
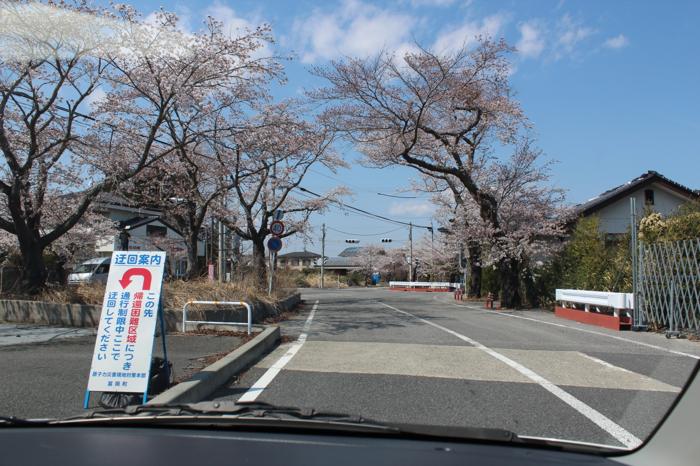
<point x="85" y="268"/>
<point x="476" y="217"/>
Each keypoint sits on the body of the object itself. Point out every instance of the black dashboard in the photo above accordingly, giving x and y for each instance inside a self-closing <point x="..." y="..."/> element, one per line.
<point x="121" y="446"/>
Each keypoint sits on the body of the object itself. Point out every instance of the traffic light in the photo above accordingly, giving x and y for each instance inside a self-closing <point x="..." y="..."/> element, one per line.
<point x="386" y="240"/>
<point x="353" y="241"/>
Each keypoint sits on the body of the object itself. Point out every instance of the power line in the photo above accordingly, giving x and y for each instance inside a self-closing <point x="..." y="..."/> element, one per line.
<point x="365" y="234"/>
<point x="357" y="209"/>
<point x="397" y="197"/>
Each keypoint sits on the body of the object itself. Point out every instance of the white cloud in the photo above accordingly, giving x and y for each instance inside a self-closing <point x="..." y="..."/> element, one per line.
<point x="617" y="42"/>
<point x="234" y="25"/>
<point x="466" y="34"/>
<point x="570" y="34"/>
<point x="411" y="208"/>
<point x="356" y="29"/>
<point x="184" y="18"/>
<point x="438" y="3"/>
<point x="93" y="99"/>
<point x="531" y="41"/>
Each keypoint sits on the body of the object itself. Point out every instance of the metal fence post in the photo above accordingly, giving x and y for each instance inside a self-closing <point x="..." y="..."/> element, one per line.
<point x="672" y="324"/>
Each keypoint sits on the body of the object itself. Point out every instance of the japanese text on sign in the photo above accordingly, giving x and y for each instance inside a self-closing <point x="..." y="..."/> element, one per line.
<point x="124" y="343"/>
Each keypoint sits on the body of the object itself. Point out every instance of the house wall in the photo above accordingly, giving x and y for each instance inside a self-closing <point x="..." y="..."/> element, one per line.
<point x="139" y="238"/>
<point x="615" y="218"/>
<point x="296" y="264"/>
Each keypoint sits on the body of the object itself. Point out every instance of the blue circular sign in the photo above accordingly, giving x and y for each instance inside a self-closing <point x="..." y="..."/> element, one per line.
<point x="274" y="244"/>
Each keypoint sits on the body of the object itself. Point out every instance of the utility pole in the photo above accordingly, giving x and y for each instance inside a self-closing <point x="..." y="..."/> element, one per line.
<point x="323" y="250"/>
<point x="273" y="255"/>
<point x="637" y="321"/>
<point x="222" y="262"/>
<point x="410" y="251"/>
<point x="432" y="251"/>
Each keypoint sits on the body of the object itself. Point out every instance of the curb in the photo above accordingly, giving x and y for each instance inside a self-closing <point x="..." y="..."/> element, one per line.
<point x="88" y="315"/>
<point x="209" y="379"/>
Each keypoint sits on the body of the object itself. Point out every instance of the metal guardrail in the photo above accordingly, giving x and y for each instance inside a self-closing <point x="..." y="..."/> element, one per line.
<point x="424" y="285"/>
<point x="249" y="324"/>
<point x="597" y="298"/>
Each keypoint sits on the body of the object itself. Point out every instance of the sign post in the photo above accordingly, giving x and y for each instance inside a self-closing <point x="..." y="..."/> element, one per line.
<point x="274" y="244"/>
<point x="121" y="360"/>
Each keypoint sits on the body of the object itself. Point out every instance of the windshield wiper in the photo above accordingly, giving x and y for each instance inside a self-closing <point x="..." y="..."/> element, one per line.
<point x="18" y="421"/>
<point x="224" y="413"/>
<point x="221" y="408"/>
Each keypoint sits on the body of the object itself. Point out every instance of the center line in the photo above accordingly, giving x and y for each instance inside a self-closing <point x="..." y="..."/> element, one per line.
<point x="269" y="375"/>
<point x="609" y="426"/>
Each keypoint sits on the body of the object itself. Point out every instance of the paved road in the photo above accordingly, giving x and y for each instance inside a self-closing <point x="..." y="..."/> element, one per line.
<point x="422" y="358"/>
<point x="43" y="373"/>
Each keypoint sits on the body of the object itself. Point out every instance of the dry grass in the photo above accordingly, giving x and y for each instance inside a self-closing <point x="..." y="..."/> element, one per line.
<point x="175" y="293"/>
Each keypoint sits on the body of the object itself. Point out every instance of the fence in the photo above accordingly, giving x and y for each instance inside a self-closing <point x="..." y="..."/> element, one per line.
<point x="669" y="284"/>
<point x="423" y="286"/>
<point x="9" y="278"/>
<point x="249" y="312"/>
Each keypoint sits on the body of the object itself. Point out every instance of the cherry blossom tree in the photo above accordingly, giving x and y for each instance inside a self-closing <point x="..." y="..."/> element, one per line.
<point x="531" y="214"/>
<point x="131" y="76"/>
<point x="268" y="161"/>
<point x="443" y="115"/>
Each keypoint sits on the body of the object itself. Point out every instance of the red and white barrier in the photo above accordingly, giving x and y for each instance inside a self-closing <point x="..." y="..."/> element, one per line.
<point x="423" y="286"/>
<point x="601" y="308"/>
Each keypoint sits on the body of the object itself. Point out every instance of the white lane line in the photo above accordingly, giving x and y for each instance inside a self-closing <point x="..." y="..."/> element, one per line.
<point x="609" y="426"/>
<point x="605" y="363"/>
<point x="269" y="375"/>
<point x="641" y="343"/>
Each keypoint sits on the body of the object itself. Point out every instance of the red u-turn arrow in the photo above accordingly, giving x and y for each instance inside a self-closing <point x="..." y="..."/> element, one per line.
<point x="145" y="273"/>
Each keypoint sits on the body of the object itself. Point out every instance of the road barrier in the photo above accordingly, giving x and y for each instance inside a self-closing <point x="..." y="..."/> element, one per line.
<point x="601" y="308"/>
<point x="249" y="324"/>
<point x="423" y="286"/>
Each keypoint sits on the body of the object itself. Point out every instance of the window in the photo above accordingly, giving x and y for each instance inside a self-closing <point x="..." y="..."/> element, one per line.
<point x="649" y="196"/>
<point x="155" y="230"/>
<point x="103" y="268"/>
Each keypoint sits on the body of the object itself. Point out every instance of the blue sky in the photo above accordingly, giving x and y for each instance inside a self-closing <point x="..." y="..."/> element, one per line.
<point x="610" y="86"/>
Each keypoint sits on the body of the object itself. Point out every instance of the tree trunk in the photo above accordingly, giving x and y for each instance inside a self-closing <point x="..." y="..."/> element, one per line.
<point x="192" y="270"/>
<point x="259" y="261"/>
<point x="510" y="283"/>
<point x="34" y="271"/>
<point x="474" y="271"/>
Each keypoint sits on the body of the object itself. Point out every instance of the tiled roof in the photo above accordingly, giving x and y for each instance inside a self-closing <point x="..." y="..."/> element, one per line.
<point x="618" y="192"/>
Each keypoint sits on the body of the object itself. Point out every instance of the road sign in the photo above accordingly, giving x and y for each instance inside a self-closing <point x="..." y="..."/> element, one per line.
<point x="274" y="244"/>
<point x="121" y="360"/>
<point x="277" y="228"/>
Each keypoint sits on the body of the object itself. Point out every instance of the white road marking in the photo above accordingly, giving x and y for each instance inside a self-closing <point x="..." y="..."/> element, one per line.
<point x="609" y="426"/>
<point x="641" y="343"/>
<point x="269" y="375"/>
<point x="605" y="363"/>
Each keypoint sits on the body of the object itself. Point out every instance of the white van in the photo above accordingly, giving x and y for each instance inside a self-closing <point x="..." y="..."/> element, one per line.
<point x="91" y="271"/>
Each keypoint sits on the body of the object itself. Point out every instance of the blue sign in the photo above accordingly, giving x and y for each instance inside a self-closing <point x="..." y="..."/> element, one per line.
<point x="274" y="244"/>
<point x="375" y="278"/>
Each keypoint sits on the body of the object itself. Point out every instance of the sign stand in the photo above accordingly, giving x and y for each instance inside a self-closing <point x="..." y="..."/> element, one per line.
<point x="161" y="315"/>
<point x="161" y="320"/>
<point x="132" y="308"/>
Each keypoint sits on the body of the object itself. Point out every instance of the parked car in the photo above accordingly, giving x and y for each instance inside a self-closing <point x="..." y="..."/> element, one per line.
<point x="91" y="271"/>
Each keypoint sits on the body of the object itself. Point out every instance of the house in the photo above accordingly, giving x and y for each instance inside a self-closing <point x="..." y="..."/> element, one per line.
<point x="146" y="229"/>
<point x="651" y="191"/>
<point x="298" y="260"/>
<point x="340" y="265"/>
<point x="346" y="262"/>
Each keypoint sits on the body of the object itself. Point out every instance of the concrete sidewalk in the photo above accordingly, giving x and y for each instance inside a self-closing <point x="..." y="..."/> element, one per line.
<point x="48" y="379"/>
